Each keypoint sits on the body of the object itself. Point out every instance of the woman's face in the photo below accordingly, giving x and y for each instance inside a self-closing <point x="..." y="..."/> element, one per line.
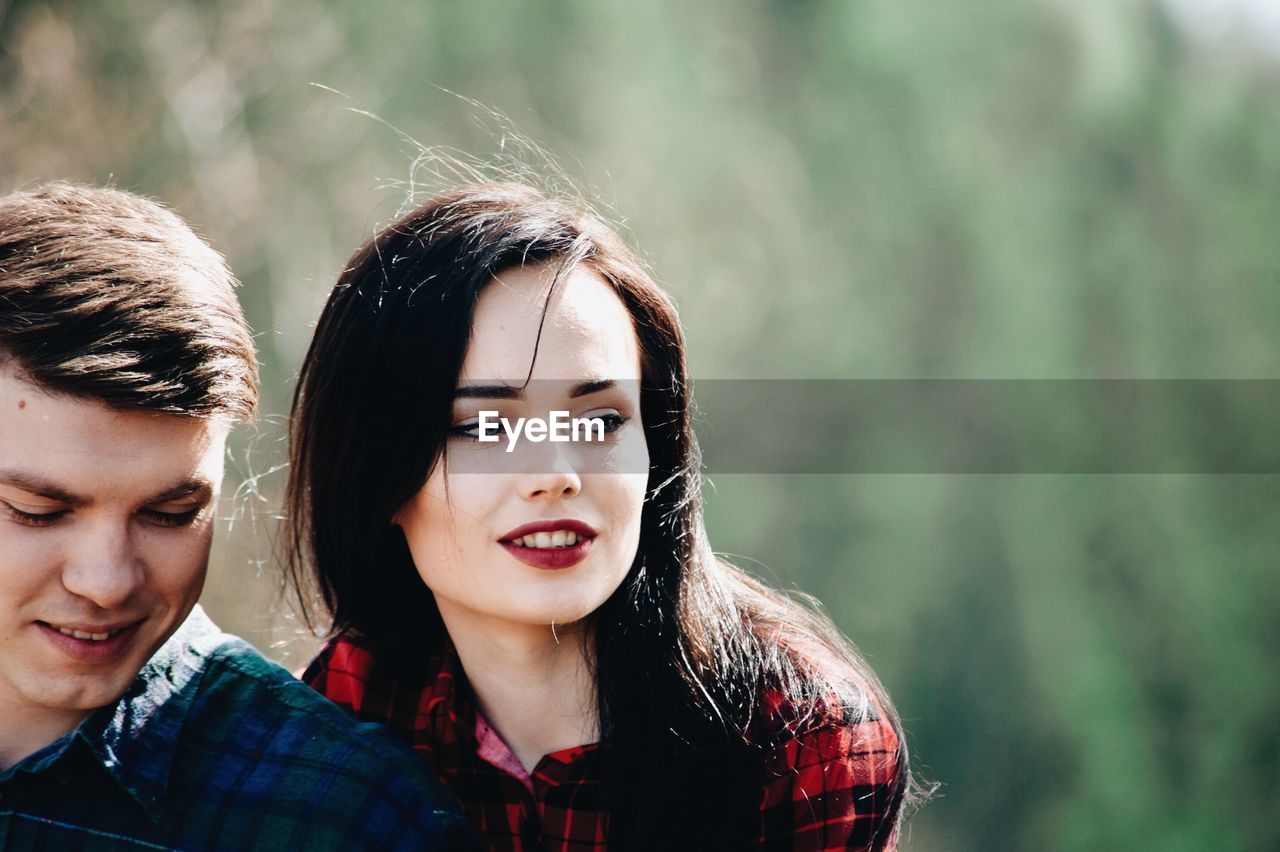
<point x="525" y="532"/>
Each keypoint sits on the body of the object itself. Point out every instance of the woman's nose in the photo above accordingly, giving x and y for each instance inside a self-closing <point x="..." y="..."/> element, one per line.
<point x="548" y="472"/>
<point x="561" y="484"/>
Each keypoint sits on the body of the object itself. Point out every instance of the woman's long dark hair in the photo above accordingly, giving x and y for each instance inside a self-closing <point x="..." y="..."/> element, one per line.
<point x="686" y="646"/>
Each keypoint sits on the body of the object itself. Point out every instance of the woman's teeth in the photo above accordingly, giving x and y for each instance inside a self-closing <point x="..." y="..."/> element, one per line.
<point x="559" y="538"/>
<point x="80" y="634"/>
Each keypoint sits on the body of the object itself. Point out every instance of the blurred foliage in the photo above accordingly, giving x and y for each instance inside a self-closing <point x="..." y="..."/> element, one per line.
<point x="861" y="189"/>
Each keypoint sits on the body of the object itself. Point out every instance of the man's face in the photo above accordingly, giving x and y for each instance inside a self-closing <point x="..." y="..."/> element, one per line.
<point x="105" y="523"/>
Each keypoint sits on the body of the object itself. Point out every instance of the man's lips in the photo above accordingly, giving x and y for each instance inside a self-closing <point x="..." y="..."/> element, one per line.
<point x="85" y="630"/>
<point x="81" y="642"/>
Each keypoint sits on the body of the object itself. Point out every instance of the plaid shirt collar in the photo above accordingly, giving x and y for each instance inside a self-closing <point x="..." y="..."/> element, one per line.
<point x="447" y="710"/>
<point x="452" y="713"/>
<point x="135" y="738"/>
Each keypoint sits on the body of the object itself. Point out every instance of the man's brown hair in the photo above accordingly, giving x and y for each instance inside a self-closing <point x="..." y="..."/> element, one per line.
<point x="110" y="296"/>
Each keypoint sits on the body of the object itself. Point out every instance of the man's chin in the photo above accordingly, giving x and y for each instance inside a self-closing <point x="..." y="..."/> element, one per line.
<point x="74" y="687"/>
<point x="84" y="693"/>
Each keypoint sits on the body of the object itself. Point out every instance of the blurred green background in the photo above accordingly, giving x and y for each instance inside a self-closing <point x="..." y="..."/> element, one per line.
<point x="861" y="189"/>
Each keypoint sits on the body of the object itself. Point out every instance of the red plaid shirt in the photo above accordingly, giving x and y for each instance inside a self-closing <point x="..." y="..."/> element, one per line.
<point x="828" y="787"/>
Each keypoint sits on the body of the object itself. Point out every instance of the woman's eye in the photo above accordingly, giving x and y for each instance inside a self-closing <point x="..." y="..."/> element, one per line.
<point x="613" y="421"/>
<point x="32" y="519"/>
<point x="466" y="429"/>
<point x="496" y="428"/>
<point x="171" y="519"/>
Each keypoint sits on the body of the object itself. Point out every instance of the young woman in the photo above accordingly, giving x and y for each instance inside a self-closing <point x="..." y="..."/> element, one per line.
<point x="545" y="621"/>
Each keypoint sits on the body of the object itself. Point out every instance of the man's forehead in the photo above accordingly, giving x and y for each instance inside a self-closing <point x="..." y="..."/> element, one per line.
<point x="94" y="452"/>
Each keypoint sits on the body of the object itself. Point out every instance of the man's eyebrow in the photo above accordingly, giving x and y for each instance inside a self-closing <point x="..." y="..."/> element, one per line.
<point x="199" y="486"/>
<point x="41" y="487"/>
<point x="32" y="484"/>
<point x="509" y="392"/>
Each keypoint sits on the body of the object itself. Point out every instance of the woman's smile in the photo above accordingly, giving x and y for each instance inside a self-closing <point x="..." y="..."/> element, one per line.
<point x="551" y="555"/>
<point x="550" y="544"/>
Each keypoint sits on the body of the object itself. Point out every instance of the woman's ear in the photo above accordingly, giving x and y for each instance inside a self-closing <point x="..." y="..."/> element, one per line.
<point x="399" y="516"/>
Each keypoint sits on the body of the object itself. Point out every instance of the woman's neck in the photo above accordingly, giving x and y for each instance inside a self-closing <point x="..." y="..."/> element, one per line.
<point x="533" y="684"/>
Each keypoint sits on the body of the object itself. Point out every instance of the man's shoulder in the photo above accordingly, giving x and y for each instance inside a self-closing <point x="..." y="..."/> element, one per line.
<point x="265" y="696"/>
<point x="235" y="671"/>
<point x="257" y="735"/>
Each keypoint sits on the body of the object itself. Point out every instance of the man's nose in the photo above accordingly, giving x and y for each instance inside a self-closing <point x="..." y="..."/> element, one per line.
<point x="105" y="567"/>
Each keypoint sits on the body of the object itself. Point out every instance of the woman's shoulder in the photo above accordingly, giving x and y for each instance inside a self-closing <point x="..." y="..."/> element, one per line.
<point x="813" y="688"/>
<point x="850" y="717"/>
<point x="832" y="771"/>
<point x="370" y="678"/>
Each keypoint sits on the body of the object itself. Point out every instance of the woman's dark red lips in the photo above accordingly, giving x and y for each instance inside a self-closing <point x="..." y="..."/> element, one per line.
<point x="569" y="525"/>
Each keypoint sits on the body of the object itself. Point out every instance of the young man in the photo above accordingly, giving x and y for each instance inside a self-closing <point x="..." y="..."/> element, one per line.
<point x="127" y="720"/>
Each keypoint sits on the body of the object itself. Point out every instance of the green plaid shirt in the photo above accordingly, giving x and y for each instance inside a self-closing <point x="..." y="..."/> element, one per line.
<point x="214" y="747"/>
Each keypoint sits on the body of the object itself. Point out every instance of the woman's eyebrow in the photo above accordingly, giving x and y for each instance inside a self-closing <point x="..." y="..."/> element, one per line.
<point x="510" y="392"/>
<point x="488" y="392"/>
<point x="594" y="386"/>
